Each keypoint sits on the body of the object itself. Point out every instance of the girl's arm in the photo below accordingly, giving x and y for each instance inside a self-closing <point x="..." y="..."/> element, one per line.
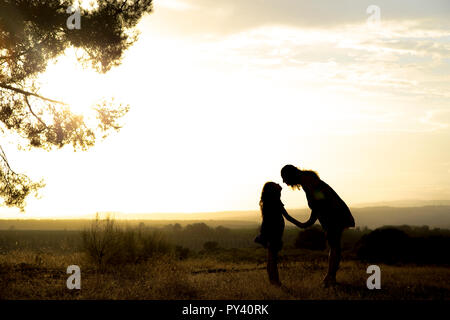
<point x="312" y="219"/>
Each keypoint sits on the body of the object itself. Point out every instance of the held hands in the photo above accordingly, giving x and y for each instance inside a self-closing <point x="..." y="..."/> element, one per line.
<point x="299" y="224"/>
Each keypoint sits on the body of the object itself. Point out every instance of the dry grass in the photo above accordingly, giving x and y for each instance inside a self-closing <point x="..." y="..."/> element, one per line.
<point x="27" y="275"/>
<point x="302" y="281"/>
<point x="23" y="276"/>
<point x="107" y="244"/>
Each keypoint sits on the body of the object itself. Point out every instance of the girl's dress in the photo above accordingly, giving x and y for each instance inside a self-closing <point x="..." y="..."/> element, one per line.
<point x="272" y="227"/>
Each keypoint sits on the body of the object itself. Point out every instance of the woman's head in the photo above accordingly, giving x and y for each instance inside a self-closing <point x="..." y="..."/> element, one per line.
<point x="270" y="192"/>
<point x="295" y="178"/>
<point x="291" y="175"/>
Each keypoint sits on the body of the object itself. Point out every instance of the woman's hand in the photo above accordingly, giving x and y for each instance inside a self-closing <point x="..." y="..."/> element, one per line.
<point x="299" y="224"/>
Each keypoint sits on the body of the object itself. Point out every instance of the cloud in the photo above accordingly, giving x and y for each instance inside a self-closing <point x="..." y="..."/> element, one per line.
<point x="232" y="16"/>
<point x="177" y="5"/>
<point x="405" y="62"/>
<point x="392" y="78"/>
<point x="437" y="119"/>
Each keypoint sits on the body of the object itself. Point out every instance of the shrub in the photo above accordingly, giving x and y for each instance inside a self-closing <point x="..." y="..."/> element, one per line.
<point x="392" y="245"/>
<point x="181" y="252"/>
<point x="107" y="244"/>
<point x="100" y="241"/>
<point x="210" y="246"/>
<point x="312" y="238"/>
<point x="388" y="245"/>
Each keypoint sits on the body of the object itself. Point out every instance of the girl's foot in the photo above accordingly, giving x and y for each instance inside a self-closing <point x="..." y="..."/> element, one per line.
<point x="329" y="281"/>
<point x="276" y="283"/>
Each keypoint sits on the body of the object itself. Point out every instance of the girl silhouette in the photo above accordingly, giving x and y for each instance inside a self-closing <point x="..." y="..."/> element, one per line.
<point x="272" y="227"/>
<point x="326" y="206"/>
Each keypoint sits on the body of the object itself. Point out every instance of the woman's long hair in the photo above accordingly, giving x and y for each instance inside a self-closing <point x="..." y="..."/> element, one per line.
<point x="270" y="194"/>
<point x="292" y="175"/>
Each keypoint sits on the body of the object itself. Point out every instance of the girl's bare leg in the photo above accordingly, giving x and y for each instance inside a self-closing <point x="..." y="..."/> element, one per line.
<point x="272" y="267"/>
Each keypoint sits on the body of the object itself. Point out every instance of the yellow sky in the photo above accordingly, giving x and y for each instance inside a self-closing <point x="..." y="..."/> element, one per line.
<point x="219" y="105"/>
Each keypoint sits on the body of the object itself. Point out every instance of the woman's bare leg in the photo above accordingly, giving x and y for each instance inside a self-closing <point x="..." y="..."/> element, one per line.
<point x="334" y="258"/>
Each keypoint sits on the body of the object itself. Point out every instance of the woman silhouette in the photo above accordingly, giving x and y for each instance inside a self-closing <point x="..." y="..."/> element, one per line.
<point x="327" y="207"/>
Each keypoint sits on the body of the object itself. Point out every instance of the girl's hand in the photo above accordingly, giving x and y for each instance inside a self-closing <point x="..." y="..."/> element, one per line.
<point x="299" y="224"/>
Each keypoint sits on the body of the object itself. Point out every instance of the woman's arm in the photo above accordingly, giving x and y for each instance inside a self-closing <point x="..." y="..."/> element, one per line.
<point x="299" y="224"/>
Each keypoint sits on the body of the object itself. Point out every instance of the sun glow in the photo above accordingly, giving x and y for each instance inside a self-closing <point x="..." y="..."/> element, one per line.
<point x="215" y="116"/>
<point x="68" y="81"/>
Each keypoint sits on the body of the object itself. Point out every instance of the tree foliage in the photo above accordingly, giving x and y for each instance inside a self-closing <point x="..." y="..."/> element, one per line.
<point x="33" y="33"/>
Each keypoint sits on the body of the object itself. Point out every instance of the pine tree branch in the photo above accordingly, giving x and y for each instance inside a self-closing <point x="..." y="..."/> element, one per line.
<point x="27" y="93"/>
<point x="34" y="114"/>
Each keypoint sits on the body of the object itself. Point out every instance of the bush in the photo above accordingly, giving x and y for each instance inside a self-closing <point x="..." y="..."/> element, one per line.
<point x="312" y="238"/>
<point x="210" y="246"/>
<point x="392" y="245"/>
<point x="181" y="252"/>
<point x="107" y="244"/>
<point x="388" y="245"/>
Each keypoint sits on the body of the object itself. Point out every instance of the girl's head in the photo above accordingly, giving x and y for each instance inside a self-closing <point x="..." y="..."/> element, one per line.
<point x="271" y="193"/>
<point x="295" y="178"/>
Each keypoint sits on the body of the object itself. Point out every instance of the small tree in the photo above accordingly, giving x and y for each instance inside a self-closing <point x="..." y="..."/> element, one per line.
<point x="100" y="241"/>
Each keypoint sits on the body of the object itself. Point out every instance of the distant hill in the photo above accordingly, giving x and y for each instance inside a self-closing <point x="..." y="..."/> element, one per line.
<point x="80" y="224"/>
<point x="432" y="216"/>
<point x="403" y="203"/>
<point x="372" y="217"/>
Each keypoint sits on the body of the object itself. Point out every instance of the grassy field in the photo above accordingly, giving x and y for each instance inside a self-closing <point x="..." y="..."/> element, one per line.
<point x="30" y="275"/>
<point x="201" y="262"/>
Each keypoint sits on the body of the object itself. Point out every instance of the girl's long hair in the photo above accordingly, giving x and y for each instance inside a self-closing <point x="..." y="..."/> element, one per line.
<point x="270" y="192"/>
